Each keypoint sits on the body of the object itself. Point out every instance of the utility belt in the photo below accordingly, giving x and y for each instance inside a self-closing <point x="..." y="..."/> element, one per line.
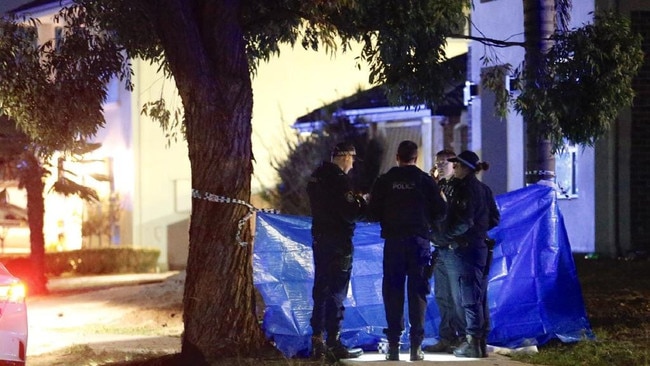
<point x="460" y="242"/>
<point x="443" y="242"/>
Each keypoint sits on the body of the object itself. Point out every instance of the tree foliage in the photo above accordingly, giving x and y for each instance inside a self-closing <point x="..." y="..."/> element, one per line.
<point x="403" y="41"/>
<point x="586" y="80"/>
<point x="70" y="76"/>
<point x="51" y="97"/>
<point x="583" y="82"/>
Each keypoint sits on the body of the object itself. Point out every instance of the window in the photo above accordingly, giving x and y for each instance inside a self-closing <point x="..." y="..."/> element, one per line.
<point x="58" y="37"/>
<point x="566" y="172"/>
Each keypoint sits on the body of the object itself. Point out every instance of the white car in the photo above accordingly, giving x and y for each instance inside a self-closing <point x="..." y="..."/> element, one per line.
<point x="13" y="319"/>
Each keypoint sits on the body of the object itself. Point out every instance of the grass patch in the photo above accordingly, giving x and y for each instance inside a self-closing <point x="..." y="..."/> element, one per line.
<point x="617" y="300"/>
<point x="606" y="350"/>
<point x="85" y="355"/>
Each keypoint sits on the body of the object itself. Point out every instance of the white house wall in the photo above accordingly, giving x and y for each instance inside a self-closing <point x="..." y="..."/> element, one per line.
<point x="117" y="143"/>
<point x="503" y="19"/>
<point x="162" y="175"/>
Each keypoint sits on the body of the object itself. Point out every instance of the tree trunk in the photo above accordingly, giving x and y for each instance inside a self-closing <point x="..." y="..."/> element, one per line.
<point x="35" y="187"/>
<point x="539" y="25"/>
<point x="206" y="53"/>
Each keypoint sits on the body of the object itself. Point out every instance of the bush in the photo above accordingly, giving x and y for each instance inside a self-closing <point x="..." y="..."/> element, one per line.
<point x="290" y="196"/>
<point x="90" y="262"/>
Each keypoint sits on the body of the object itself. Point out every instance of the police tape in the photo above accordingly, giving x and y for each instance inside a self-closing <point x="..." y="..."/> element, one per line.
<point x="541" y="172"/>
<point x="222" y="199"/>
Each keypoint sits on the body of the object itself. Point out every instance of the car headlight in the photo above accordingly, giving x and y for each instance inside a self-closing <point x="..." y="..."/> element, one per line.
<point x="13" y="292"/>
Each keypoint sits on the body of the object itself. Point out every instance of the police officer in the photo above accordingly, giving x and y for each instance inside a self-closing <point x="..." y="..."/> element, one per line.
<point x="407" y="202"/>
<point x="472" y="212"/>
<point x="334" y="209"/>
<point x="451" y="329"/>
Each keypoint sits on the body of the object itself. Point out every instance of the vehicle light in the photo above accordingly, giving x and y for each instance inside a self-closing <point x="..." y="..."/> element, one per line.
<point x="14" y="292"/>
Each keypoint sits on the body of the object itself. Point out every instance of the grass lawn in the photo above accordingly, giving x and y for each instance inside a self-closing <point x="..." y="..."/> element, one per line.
<point x="617" y="299"/>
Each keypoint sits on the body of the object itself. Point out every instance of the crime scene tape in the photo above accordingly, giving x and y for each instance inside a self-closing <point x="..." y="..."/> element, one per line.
<point x="221" y="199"/>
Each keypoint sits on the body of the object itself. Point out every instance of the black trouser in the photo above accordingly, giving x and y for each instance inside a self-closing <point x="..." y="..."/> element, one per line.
<point x="406" y="257"/>
<point x="332" y="270"/>
<point x="473" y="287"/>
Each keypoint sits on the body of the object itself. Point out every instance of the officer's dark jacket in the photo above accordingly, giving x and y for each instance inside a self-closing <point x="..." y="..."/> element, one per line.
<point x="334" y="206"/>
<point x="447" y="187"/>
<point x="407" y="202"/>
<point x="472" y="211"/>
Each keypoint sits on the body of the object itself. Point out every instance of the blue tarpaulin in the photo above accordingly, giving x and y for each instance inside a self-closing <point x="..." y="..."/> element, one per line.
<point x="533" y="294"/>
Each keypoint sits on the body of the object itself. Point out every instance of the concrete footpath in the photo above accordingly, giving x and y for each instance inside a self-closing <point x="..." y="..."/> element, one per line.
<point x="439" y="359"/>
<point x="88" y="283"/>
<point x="85" y="283"/>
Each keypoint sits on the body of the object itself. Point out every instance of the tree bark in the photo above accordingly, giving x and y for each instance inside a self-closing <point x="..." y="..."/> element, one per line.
<point x="539" y="25"/>
<point x="35" y="187"/>
<point x="205" y="47"/>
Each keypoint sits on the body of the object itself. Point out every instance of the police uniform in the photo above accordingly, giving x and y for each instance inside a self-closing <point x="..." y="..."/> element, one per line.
<point x="472" y="212"/>
<point x="407" y="202"/>
<point x="334" y="209"/>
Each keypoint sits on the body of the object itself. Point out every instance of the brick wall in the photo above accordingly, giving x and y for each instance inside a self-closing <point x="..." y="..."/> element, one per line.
<point x="640" y="142"/>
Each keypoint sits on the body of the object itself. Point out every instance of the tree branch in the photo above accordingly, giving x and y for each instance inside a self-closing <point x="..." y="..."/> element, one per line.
<point x="488" y="41"/>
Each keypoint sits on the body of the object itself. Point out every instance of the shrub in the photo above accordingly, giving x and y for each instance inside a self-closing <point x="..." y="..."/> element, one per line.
<point x="89" y="262"/>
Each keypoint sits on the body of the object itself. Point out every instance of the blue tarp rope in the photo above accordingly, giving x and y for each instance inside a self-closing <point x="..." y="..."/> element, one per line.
<point x="533" y="294"/>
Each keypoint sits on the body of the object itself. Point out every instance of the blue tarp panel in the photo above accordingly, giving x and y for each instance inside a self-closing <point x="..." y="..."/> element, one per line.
<point x="534" y="294"/>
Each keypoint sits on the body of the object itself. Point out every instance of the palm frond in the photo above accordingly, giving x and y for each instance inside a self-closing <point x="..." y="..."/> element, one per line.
<point x="563" y="9"/>
<point x="68" y="187"/>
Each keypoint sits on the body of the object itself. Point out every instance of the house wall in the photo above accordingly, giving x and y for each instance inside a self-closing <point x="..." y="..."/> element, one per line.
<point x="503" y="149"/>
<point x="162" y="176"/>
<point x="622" y="213"/>
<point x="502" y="143"/>
<point x="494" y="149"/>
<point x="640" y="141"/>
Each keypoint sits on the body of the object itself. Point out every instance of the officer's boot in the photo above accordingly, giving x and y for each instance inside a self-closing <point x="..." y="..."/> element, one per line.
<point x="443" y="346"/>
<point x="483" y="345"/>
<point x="470" y="348"/>
<point x="318" y="347"/>
<point x="416" y="347"/>
<point x="393" y="351"/>
<point x="416" y="353"/>
<point x="337" y="351"/>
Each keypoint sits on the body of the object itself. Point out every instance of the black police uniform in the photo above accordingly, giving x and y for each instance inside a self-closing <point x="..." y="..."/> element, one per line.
<point x="407" y="202"/>
<point x="472" y="212"/>
<point x="334" y="209"/>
